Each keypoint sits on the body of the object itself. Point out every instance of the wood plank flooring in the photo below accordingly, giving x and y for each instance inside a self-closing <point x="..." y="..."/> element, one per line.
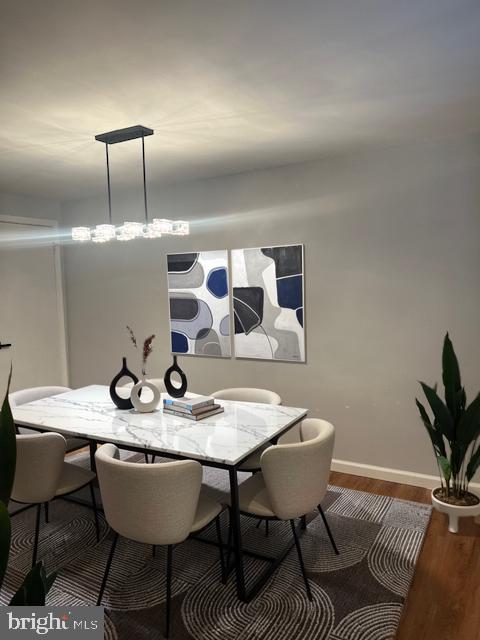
<point x="444" y="600"/>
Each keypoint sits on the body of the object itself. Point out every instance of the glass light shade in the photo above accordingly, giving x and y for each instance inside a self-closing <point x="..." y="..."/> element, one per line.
<point x="103" y="233"/>
<point x="162" y="225"/>
<point x="180" y="228"/>
<point x="124" y="234"/>
<point x="150" y="231"/>
<point x="134" y="229"/>
<point x="81" y="234"/>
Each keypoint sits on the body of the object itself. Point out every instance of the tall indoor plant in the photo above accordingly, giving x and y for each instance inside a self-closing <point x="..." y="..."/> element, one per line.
<point x="36" y="585"/>
<point x="454" y="431"/>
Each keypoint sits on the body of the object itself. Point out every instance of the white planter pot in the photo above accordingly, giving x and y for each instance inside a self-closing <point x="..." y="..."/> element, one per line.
<point x="138" y="404"/>
<point x="455" y="512"/>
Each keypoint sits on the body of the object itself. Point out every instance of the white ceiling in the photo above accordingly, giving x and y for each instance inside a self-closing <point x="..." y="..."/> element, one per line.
<point x="228" y="85"/>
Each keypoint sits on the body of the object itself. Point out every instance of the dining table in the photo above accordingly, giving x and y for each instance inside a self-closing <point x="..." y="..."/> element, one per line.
<point x="223" y="441"/>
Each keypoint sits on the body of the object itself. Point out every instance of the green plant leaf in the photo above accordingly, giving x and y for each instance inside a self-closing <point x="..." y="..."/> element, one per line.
<point x="435" y="436"/>
<point x="32" y="593"/>
<point x="451" y="377"/>
<point x="469" y="425"/>
<point x="461" y="400"/>
<point x="8" y="448"/>
<point x="5" y="535"/>
<point x="459" y="451"/>
<point x="474" y="464"/>
<point x="443" y="417"/>
<point x="445" y="467"/>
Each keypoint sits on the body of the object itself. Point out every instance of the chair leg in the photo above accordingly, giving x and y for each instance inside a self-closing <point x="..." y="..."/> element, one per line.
<point x="107" y="569"/>
<point x="325" y="522"/>
<point x="304" y="522"/>
<point x="95" y="512"/>
<point x="258" y="523"/>
<point x="153" y="458"/>
<point x="154" y="548"/>
<point x="169" y="589"/>
<point x="300" y="559"/>
<point x="146" y="457"/>
<point x="37" y="533"/>
<point x="46" y="512"/>
<point x="266" y="528"/>
<point x="220" y="546"/>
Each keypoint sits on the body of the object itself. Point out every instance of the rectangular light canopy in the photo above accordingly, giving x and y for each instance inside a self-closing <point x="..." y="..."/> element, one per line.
<point x="122" y="135"/>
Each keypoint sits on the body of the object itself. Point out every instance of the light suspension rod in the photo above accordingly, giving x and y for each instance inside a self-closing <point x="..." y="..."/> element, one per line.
<point x="108" y="186"/>
<point x="144" y="180"/>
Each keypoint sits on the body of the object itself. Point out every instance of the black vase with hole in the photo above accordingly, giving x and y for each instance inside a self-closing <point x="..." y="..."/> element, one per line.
<point x="122" y="403"/>
<point x="175" y="392"/>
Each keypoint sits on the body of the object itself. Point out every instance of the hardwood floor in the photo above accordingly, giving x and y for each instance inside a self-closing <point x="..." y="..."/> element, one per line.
<point x="444" y="600"/>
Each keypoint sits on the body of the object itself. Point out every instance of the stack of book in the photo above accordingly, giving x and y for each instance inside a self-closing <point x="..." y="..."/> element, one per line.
<point x="191" y="408"/>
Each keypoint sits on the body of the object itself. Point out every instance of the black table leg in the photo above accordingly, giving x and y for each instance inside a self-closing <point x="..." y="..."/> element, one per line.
<point x="237" y="534"/>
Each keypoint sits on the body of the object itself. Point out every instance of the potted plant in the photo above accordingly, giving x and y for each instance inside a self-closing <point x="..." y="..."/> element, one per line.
<point x="454" y="430"/>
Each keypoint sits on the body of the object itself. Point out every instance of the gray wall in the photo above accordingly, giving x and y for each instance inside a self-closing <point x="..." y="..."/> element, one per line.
<point x="392" y="261"/>
<point x="29" y="207"/>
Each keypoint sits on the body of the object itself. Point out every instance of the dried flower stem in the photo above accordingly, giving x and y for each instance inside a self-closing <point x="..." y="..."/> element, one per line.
<point x="147" y="347"/>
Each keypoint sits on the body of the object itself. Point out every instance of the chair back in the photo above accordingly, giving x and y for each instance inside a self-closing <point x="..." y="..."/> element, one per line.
<point x="248" y="394"/>
<point x="39" y="467"/>
<point x="296" y="474"/>
<point x="34" y="393"/>
<point x="149" y="503"/>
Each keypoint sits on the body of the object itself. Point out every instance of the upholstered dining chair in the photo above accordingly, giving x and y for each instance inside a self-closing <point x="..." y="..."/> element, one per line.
<point x="155" y="504"/>
<point x="293" y="481"/>
<point x="41" y="475"/>
<point x="17" y="398"/>
<point x="250" y="394"/>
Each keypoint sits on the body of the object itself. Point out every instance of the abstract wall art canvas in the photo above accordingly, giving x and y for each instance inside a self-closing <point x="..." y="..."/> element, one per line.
<point x="199" y="303"/>
<point x="268" y="303"/>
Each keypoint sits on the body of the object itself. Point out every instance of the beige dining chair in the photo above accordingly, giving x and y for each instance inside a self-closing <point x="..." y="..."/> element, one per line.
<point x="250" y="394"/>
<point x="293" y="481"/>
<point x="17" y="398"/>
<point x="155" y="504"/>
<point x="41" y="475"/>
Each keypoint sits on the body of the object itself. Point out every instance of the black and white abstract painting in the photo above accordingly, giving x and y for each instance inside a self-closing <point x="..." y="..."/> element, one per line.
<point x="268" y="303"/>
<point x="198" y="292"/>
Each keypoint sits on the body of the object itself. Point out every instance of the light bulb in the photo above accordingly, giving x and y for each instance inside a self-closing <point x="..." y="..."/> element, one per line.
<point x="134" y="229"/>
<point x="180" y="228"/>
<point x="81" y="234"/>
<point x="150" y="231"/>
<point x="103" y="233"/>
<point x="162" y="225"/>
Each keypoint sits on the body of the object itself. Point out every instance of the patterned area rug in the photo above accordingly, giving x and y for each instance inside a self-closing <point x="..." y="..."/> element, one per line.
<point x="357" y="595"/>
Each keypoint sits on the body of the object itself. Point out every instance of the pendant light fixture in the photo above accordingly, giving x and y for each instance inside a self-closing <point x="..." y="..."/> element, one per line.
<point x="129" y="230"/>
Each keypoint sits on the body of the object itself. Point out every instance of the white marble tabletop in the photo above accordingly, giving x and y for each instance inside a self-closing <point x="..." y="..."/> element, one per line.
<point x="226" y="438"/>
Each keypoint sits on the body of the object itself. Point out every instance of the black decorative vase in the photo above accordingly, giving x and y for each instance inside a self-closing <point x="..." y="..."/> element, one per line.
<point x="175" y="392"/>
<point x="122" y="403"/>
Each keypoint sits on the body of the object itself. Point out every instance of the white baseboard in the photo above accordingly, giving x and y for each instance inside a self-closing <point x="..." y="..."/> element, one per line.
<point x="391" y="475"/>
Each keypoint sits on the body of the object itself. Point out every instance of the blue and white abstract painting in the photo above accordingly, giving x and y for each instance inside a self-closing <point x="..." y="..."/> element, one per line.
<point x="198" y="293"/>
<point x="268" y="303"/>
